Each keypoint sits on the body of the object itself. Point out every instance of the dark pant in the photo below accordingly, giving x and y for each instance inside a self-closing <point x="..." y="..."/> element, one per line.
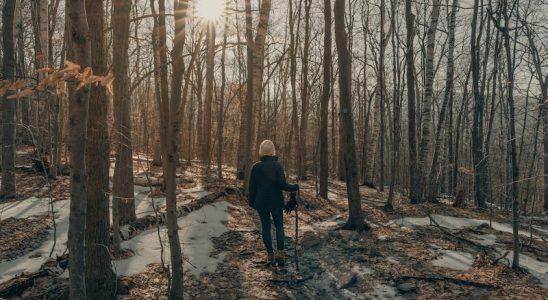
<point x="278" y="217"/>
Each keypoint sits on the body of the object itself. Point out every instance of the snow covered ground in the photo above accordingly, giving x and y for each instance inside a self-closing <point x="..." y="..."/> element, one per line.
<point x="196" y="230"/>
<point x="463" y="261"/>
<point x="456" y="223"/>
<point x="456" y="260"/>
<point x="32" y="261"/>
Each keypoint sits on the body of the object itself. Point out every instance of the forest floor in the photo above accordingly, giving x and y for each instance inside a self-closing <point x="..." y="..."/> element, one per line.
<point x="423" y="251"/>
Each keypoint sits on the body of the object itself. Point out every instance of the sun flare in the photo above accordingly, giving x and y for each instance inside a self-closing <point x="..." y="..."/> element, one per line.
<point x="210" y="10"/>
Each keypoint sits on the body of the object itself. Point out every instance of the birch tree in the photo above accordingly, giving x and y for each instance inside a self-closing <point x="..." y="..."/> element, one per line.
<point x="428" y="94"/>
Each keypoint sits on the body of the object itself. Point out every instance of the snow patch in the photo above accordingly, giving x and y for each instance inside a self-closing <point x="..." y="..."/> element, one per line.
<point x="32" y="261"/>
<point x="25" y="208"/>
<point x="383" y="291"/>
<point x="455" y="223"/>
<point x="327" y="225"/>
<point x="485" y="239"/>
<point x="196" y="230"/>
<point x="537" y="268"/>
<point x="455" y="260"/>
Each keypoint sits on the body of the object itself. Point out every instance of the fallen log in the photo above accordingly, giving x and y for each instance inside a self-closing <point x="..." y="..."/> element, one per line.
<point x="292" y="281"/>
<point x="16" y="286"/>
<point x="147" y="222"/>
<point x="501" y="257"/>
<point x="436" y="278"/>
<point x="487" y="250"/>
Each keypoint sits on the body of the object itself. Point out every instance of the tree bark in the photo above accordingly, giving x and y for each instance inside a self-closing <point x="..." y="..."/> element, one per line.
<point x="100" y="279"/>
<point x="122" y="188"/>
<point x="324" y="102"/>
<point x="355" y="217"/>
<point x="433" y="178"/>
<point x="78" y="32"/>
<point x="303" y="130"/>
<point x="414" y="189"/>
<point x="170" y="116"/>
<point x="9" y="105"/>
<point x="428" y="94"/>
<point x="220" y="114"/>
<point x="255" y="63"/>
<point x="210" y="65"/>
<point x="477" y="128"/>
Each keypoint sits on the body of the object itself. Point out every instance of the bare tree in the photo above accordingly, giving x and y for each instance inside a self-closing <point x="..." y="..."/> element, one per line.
<point x="355" y="217"/>
<point x="433" y="178"/>
<point x="100" y="279"/>
<point x="210" y="65"/>
<point x="305" y="101"/>
<point x="414" y="189"/>
<point x="428" y="94"/>
<point x="477" y="128"/>
<point x="255" y="66"/>
<point x="9" y="105"/>
<point x="324" y="110"/>
<point x="122" y="187"/>
<point x="506" y="12"/>
<point x="78" y="32"/>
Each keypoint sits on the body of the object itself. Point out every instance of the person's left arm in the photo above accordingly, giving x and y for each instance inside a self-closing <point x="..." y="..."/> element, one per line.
<point x="282" y="182"/>
<point x="252" y="187"/>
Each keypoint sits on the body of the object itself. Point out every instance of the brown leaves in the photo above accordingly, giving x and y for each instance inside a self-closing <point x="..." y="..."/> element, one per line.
<point x="56" y="81"/>
<point x="7" y="85"/>
<point x="24" y="93"/>
<point x="466" y="171"/>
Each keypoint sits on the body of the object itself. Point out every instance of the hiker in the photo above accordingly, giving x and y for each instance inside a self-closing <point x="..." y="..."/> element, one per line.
<point x="266" y="183"/>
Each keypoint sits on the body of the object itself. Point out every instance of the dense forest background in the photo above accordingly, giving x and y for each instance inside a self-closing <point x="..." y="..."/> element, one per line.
<point x="428" y="99"/>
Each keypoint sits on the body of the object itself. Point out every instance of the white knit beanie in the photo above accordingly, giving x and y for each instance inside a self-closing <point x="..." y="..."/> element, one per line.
<point x="267" y="149"/>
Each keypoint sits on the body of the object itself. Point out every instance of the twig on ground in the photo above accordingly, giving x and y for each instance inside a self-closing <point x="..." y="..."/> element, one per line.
<point x="434" y="278"/>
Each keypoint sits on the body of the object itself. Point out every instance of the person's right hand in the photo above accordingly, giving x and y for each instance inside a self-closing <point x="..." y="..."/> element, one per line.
<point x="297" y="186"/>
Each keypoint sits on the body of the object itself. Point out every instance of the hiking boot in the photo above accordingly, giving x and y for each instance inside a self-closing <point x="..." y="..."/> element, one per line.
<point x="280" y="257"/>
<point x="270" y="258"/>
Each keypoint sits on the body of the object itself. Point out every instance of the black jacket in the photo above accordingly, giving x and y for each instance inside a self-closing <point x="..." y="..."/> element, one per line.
<point x="266" y="183"/>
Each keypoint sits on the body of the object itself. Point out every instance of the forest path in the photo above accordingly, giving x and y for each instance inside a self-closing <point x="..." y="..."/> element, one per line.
<point x="402" y="255"/>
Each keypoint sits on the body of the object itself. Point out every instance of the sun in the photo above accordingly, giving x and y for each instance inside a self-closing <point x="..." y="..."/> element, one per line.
<point x="210" y="10"/>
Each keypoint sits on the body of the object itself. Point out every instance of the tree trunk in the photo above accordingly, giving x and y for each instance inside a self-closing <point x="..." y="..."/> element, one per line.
<point x="80" y="53"/>
<point x="303" y="130"/>
<point x="396" y="127"/>
<point x="255" y="62"/>
<point x="428" y="94"/>
<point x="324" y="102"/>
<point x="170" y="116"/>
<point x="9" y="105"/>
<point x="122" y="188"/>
<point x="414" y="188"/>
<point x="477" y="128"/>
<point x="433" y="178"/>
<point x="221" y="104"/>
<point x="210" y="65"/>
<point x="512" y="122"/>
<point x="100" y="279"/>
<point x="355" y="217"/>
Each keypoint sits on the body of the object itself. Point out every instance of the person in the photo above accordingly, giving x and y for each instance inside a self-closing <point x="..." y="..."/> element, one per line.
<point x="266" y="183"/>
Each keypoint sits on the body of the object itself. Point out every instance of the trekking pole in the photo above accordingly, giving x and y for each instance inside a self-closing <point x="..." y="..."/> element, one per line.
<point x="297" y="229"/>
